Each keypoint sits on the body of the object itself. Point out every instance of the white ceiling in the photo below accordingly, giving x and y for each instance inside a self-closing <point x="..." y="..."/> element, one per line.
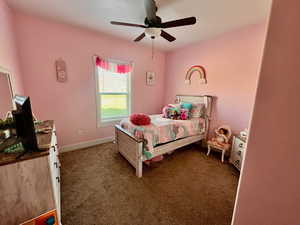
<point x="214" y="17"/>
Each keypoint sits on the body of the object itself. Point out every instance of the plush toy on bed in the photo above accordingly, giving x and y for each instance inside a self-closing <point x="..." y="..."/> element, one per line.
<point x="172" y="112"/>
<point x="175" y="112"/>
<point x="184" y="114"/>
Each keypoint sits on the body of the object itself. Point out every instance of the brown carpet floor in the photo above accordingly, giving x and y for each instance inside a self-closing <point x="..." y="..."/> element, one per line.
<point x="99" y="187"/>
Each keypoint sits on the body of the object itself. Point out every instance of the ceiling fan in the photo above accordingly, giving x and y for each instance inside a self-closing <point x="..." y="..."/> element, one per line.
<point x="153" y="24"/>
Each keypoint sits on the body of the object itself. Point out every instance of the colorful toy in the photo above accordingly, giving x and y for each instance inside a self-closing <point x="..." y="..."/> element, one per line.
<point x="184" y="114"/>
<point x="171" y="111"/>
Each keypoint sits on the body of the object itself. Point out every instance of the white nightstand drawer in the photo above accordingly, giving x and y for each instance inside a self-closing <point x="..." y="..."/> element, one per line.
<point x="237" y="152"/>
<point x="239" y="145"/>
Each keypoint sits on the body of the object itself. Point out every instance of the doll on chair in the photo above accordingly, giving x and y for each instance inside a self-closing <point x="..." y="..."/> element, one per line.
<point x="220" y="141"/>
<point x="222" y="137"/>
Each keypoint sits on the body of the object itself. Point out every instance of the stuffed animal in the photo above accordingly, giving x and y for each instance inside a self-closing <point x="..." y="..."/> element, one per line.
<point x="184" y="114"/>
<point x="165" y="111"/>
<point x="174" y="113"/>
<point x="171" y="111"/>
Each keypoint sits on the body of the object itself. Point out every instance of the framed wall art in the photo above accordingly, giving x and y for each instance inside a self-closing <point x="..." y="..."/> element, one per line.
<point x="150" y="78"/>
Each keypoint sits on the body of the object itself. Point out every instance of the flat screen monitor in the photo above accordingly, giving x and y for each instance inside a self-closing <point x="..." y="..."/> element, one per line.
<point x="24" y="123"/>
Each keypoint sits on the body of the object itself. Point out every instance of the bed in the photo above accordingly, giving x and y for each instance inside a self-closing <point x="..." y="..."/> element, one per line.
<point x="133" y="148"/>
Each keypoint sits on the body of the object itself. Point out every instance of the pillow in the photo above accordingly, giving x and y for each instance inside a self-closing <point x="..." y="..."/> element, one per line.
<point x="198" y="110"/>
<point x="140" y="119"/>
<point x="186" y="105"/>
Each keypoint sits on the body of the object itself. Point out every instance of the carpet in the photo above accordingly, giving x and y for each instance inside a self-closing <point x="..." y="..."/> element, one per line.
<point x="99" y="187"/>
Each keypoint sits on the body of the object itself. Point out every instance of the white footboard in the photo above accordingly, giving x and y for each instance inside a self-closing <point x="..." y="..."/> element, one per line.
<point x="131" y="148"/>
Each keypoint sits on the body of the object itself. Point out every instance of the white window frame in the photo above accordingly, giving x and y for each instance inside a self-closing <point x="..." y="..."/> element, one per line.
<point x="112" y="120"/>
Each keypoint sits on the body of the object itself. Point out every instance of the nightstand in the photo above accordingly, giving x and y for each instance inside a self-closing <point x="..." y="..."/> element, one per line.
<point x="238" y="150"/>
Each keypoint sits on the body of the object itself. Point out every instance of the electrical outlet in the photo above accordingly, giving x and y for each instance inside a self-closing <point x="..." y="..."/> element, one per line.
<point x="80" y="132"/>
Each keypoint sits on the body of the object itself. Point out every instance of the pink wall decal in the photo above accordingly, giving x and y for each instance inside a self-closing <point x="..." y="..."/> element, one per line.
<point x="270" y="185"/>
<point x="73" y="104"/>
<point x="8" y="50"/>
<point x="232" y="62"/>
<point x="199" y="70"/>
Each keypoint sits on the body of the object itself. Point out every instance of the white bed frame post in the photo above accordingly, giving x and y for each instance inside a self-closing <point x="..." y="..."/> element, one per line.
<point x="139" y="161"/>
<point x="208" y="102"/>
<point x="131" y="148"/>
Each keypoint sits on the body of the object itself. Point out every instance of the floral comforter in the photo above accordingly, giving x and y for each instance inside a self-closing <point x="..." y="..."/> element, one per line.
<point x="163" y="130"/>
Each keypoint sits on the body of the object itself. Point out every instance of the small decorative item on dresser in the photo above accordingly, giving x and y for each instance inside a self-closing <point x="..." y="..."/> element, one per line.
<point x="61" y="70"/>
<point x="150" y="78"/>
<point x="220" y="141"/>
<point x="237" y="151"/>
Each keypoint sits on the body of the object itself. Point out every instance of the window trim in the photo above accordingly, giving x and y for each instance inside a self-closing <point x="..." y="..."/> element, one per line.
<point x="113" y="120"/>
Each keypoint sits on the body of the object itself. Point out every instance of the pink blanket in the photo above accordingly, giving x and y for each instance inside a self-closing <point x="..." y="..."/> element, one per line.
<point x="162" y="130"/>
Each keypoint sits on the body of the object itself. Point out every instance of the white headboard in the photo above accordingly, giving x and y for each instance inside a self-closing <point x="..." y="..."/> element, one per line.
<point x="205" y="99"/>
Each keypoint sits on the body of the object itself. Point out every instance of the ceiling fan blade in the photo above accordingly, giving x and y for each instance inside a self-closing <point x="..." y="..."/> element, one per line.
<point x="127" y="24"/>
<point x="179" y="23"/>
<point x="140" y="37"/>
<point x="167" y="36"/>
<point x="151" y="9"/>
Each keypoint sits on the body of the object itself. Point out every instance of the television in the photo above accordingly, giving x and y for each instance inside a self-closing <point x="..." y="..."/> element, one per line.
<point x="24" y="123"/>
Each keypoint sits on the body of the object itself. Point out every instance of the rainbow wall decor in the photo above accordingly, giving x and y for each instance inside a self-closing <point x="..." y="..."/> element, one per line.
<point x="198" y="70"/>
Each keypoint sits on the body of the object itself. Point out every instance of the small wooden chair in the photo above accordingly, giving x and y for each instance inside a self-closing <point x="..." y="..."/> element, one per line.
<point x="212" y="144"/>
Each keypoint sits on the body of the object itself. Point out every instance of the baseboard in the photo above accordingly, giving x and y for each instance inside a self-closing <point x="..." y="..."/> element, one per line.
<point x="85" y="144"/>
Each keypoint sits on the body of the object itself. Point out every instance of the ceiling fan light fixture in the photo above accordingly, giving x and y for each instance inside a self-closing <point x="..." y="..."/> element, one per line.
<point x="153" y="32"/>
<point x="153" y="25"/>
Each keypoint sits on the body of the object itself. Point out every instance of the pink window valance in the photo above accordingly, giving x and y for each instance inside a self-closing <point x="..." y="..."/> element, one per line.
<point x="113" y="67"/>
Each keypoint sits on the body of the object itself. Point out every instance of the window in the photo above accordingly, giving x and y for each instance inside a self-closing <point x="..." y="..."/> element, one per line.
<point x="113" y="95"/>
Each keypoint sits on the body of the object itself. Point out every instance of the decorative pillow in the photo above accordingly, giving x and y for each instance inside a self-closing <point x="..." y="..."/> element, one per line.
<point x="198" y="110"/>
<point x="140" y="119"/>
<point x="186" y="105"/>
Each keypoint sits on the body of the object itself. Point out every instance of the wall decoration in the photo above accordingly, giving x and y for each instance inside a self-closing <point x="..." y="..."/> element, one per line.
<point x="112" y="66"/>
<point x="198" y="70"/>
<point x="61" y="70"/>
<point x="150" y="78"/>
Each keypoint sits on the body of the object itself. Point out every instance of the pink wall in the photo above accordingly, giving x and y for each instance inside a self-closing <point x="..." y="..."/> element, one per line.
<point x="72" y="104"/>
<point x="232" y="62"/>
<point x="270" y="185"/>
<point x="8" y="51"/>
<point x="5" y="96"/>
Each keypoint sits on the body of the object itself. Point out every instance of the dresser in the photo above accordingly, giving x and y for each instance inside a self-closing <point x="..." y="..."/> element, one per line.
<point x="30" y="185"/>
<point x="237" y="151"/>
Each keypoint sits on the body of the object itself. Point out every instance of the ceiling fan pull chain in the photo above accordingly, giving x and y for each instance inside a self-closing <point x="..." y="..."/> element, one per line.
<point x="152" y="49"/>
